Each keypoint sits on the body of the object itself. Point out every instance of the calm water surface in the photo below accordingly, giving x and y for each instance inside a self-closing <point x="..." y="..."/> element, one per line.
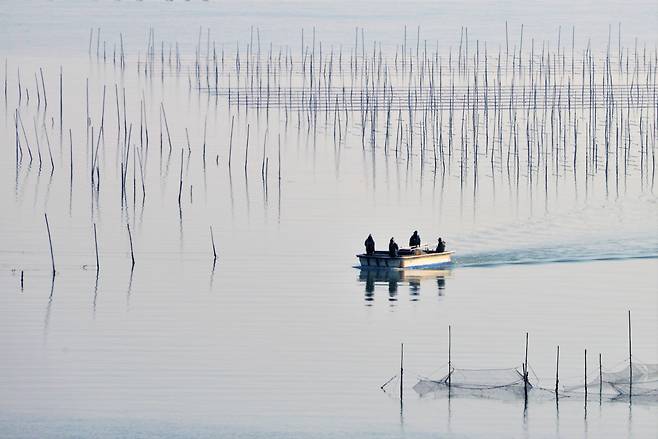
<point x="283" y="336"/>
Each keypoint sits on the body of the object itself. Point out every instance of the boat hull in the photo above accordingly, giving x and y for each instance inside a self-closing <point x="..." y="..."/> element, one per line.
<point x="422" y="260"/>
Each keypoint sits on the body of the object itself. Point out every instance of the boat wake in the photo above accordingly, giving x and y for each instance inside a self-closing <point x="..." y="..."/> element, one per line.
<point x="612" y="230"/>
<point x="557" y="254"/>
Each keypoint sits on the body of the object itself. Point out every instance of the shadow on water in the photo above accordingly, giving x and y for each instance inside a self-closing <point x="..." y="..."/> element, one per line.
<point x="393" y="278"/>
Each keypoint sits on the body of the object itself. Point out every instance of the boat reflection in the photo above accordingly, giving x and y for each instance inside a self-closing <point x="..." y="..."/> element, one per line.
<point x="392" y="278"/>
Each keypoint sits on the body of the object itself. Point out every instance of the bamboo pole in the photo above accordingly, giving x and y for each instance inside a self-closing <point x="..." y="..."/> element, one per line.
<point x="585" y="376"/>
<point x="401" y="370"/>
<point x="246" y="152"/>
<point x="230" y="143"/>
<point x="449" y="356"/>
<point x="630" y="358"/>
<point x="557" y="368"/>
<point x="180" y="180"/>
<point x="212" y="240"/>
<point x="61" y="99"/>
<point x="525" y="369"/>
<point x="600" y="377"/>
<point x="96" y="246"/>
<point x="132" y="252"/>
<point x="50" y="243"/>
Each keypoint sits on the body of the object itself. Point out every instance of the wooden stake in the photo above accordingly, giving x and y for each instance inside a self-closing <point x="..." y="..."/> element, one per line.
<point x="449" y="356"/>
<point x="180" y="180"/>
<point x="525" y="368"/>
<point x="557" y="368"/>
<point x="164" y="117"/>
<point x="246" y="152"/>
<point x="212" y="240"/>
<point x="401" y="369"/>
<point x="585" y="375"/>
<point x="279" y="157"/>
<point x="61" y="98"/>
<point x="43" y="86"/>
<point x="50" y="242"/>
<point x="630" y="357"/>
<point x="71" y="160"/>
<point x="132" y="253"/>
<point x="96" y="245"/>
<point x="230" y="143"/>
<point x="600" y="377"/>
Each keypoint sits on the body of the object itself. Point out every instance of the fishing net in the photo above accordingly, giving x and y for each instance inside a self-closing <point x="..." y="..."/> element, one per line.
<point x="618" y="384"/>
<point x="509" y="383"/>
<point x="476" y="382"/>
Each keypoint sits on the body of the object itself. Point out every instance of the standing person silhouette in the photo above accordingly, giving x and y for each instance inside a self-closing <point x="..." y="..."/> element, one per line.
<point x="370" y="245"/>
<point x="414" y="241"/>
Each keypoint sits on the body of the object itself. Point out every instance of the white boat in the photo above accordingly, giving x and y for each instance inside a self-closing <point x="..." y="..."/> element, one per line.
<point x="406" y="258"/>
